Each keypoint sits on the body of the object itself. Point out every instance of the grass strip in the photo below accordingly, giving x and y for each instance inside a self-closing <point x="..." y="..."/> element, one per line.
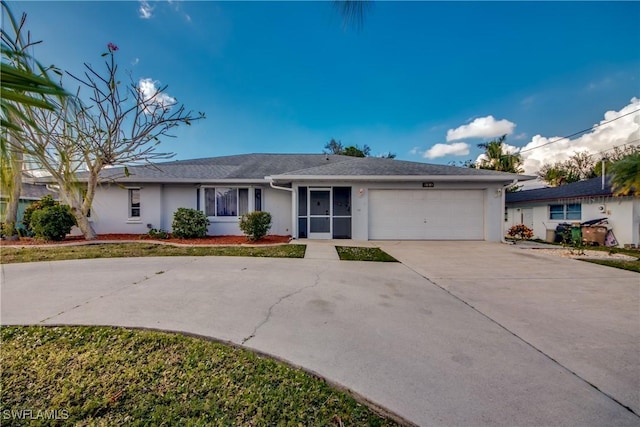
<point x="624" y="265"/>
<point x="115" y="376"/>
<point x="352" y="253"/>
<point x="118" y="250"/>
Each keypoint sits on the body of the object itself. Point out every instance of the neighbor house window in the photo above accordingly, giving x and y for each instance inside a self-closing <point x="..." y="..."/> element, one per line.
<point x="571" y="211"/>
<point x="134" y="203"/>
<point x="226" y="201"/>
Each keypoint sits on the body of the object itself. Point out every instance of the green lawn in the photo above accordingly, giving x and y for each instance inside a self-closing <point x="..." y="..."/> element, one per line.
<point x="624" y="265"/>
<point x="114" y="376"/>
<point x="114" y="250"/>
<point x="616" y="263"/>
<point x="349" y="253"/>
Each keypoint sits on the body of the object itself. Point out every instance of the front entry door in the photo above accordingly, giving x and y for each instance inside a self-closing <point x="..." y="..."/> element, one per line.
<point x="319" y="213"/>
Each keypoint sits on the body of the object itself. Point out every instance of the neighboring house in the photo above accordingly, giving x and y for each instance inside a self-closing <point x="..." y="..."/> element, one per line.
<point x="30" y="193"/>
<point x="314" y="196"/>
<point x="544" y="208"/>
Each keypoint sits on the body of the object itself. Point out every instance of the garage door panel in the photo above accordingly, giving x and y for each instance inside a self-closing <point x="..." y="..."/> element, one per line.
<point x="426" y="214"/>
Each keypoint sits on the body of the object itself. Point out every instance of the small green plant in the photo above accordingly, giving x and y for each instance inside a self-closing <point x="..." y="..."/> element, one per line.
<point x="189" y="223"/>
<point x="573" y="243"/>
<point x="156" y="233"/>
<point x="45" y="202"/>
<point x="8" y="229"/>
<point x="53" y="222"/>
<point x="520" y="231"/>
<point x="255" y="225"/>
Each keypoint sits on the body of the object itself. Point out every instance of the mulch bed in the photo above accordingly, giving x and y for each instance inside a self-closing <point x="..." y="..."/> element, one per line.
<point x="209" y="240"/>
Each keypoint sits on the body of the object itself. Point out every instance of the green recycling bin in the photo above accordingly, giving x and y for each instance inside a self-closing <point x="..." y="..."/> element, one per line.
<point x="576" y="232"/>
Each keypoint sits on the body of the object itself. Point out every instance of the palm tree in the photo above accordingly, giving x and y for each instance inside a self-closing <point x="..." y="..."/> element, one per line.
<point x="625" y="175"/>
<point x="352" y="11"/>
<point x="22" y="87"/>
<point x="496" y="157"/>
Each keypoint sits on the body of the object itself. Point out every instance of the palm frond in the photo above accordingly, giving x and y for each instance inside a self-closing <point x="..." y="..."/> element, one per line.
<point x="353" y="12"/>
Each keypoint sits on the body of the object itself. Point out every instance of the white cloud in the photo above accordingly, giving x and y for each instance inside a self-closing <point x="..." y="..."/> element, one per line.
<point x="482" y="127"/>
<point x="145" y="9"/>
<point x="625" y="130"/>
<point x="152" y="98"/>
<point x="441" y="150"/>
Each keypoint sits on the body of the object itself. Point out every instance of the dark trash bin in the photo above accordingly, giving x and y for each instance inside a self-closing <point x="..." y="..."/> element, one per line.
<point x="563" y="233"/>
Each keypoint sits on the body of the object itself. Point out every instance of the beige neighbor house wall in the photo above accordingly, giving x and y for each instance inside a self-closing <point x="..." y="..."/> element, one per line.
<point x="623" y="215"/>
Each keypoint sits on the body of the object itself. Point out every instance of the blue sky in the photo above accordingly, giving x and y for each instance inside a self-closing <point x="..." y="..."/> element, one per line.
<point x="288" y="77"/>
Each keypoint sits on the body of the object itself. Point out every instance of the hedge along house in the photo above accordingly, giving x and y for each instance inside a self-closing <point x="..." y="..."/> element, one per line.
<point x="29" y="194"/>
<point x="314" y="196"/>
<point x="543" y="209"/>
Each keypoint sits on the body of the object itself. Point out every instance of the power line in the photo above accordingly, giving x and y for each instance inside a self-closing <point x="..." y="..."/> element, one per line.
<point x="578" y="133"/>
<point x="614" y="147"/>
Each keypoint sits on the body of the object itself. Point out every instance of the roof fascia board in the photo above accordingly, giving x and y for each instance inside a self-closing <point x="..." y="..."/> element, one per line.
<point x="404" y="178"/>
<point x="133" y="180"/>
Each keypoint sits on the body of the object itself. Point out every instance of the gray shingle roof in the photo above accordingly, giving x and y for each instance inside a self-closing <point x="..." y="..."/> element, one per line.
<point x="588" y="188"/>
<point x="375" y="166"/>
<point x="255" y="167"/>
<point x="36" y="191"/>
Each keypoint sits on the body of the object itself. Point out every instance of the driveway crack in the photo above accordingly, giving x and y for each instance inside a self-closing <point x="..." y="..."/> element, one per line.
<point x="270" y="310"/>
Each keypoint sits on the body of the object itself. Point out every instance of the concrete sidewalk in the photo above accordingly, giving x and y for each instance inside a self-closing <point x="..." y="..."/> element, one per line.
<point x="320" y="249"/>
<point x="382" y="330"/>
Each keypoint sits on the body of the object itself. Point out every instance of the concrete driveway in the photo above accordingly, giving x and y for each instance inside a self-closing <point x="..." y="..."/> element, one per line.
<point x="459" y="334"/>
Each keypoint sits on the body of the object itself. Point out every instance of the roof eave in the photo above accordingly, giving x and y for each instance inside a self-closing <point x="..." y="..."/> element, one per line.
<point x="553" y="199"/>
<point x="396" y="178"/>
<point x="132" y="180"/>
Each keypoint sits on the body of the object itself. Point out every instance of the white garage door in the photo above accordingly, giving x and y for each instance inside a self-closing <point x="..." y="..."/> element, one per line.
<point x="426" y="215"/>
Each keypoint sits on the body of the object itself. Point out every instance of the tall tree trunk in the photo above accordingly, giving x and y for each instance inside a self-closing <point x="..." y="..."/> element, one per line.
<point x="73" y="197"/>
<point x="85" y="226"/>
<point x="15" y="190"/>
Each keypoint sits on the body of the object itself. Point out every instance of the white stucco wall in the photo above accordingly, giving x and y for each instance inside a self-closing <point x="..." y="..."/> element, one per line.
<point x="493" y="217"/>
<point x="623" y="216"/>
<point x="159" y="202"/>
<point x="278" y="204"/>
<point x="174" y="197"/>
<point x="110" y="211"/>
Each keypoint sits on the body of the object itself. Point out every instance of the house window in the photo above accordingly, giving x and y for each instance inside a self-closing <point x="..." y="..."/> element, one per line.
<point x="571" y="211"/>
<point x="226" y="201"/>
<point x="134" y="203"/>
<point x="258" y="199"/>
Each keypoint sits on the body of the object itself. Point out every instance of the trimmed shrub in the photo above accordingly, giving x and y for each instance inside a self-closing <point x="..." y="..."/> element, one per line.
<point x="45" y="202"/>
<point x="53" y="222"/>
<point x="189" y="223"/>
<point x="255" y="225"/>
